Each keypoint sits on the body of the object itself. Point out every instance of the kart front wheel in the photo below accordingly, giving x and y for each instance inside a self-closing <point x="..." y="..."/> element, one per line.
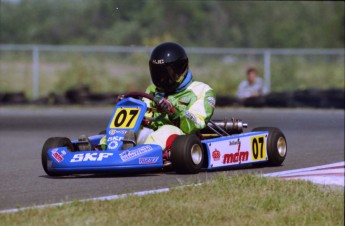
<point x="276" y="145"/>
<point x="187" y="155"/>
<point x="54" y="142"/>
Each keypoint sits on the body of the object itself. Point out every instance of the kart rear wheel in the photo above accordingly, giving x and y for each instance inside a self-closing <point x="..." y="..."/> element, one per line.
<point x="276" y="145"/>
<point x="187" y="154"/>
<point x="54" y="142"/>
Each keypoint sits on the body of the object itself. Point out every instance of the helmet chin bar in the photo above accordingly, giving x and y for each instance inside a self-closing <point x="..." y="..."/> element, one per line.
<point x="182" y="76"/>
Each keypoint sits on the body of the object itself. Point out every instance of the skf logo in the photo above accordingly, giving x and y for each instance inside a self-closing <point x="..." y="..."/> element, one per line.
<point x="90" y="157"/>
<point x="158" y="61"/>
<point x="216" y="155"/>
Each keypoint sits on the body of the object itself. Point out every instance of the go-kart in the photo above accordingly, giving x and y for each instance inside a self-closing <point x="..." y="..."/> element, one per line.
<point x="220" y="145"/>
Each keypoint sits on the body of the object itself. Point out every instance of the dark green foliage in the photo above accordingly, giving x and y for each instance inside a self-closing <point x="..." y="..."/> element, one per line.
<point x="256" y="24"/>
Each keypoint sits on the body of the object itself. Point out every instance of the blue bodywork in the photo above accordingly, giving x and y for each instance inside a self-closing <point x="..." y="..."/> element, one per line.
<point x="127" y="115"/>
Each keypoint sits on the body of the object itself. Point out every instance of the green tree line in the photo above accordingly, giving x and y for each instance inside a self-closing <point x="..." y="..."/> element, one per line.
<point x="253" y="24"/>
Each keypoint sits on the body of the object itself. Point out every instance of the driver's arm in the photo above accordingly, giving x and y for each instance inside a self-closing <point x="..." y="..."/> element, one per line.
<point x="198" y="113"/>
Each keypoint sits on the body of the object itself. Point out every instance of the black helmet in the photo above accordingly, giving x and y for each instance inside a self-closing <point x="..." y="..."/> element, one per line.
<point x="168" y="66"/>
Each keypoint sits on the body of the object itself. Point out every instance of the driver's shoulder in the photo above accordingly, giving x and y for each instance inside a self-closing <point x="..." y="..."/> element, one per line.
<point x="199" y="87"/>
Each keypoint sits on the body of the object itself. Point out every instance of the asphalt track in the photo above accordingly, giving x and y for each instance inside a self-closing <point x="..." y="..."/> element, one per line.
<point x="315" y="137"/>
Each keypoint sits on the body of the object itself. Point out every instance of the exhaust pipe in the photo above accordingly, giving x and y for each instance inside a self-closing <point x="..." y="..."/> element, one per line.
<point x="232" y="126"/>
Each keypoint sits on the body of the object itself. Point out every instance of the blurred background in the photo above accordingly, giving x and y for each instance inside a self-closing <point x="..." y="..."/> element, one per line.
<point x="51" y="48"/>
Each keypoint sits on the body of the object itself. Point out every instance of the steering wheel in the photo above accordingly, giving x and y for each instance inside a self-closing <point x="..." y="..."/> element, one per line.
<point x="138" y="95"/>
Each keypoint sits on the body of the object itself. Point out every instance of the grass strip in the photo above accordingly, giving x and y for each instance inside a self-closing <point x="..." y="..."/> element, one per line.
<point x="236" y="200"/>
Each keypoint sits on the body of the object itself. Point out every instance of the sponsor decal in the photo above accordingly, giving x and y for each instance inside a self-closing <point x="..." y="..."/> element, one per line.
<point x="241" y="156"/>
<point x="190" y="116"/>
<point x="114" y="138"/>
<point x="85" y="157"/>
<point x="129" y="155"/>
<point x="161" y="61"/>
<point x="211" y="101"/>
<point x="216" y="155"/>
<point x="113" y="145"/>
<point x="148" y="160"/>
<point x="113" y="142"/>
<point x="116" y="131"/>
<point x="238" y="142"/>
<point x="184" y="100"/>
<point x="57" y="156"/>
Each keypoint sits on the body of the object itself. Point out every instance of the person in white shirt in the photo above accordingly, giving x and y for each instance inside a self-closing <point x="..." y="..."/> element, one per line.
<point x="253" y="86"/>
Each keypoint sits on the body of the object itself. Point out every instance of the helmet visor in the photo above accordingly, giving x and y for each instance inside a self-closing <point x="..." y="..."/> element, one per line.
<point x="164" y="77"/>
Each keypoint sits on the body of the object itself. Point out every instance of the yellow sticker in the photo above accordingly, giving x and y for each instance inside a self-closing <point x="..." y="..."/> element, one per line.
<point x="258" y="147"/>
<point x="125" y="118"/>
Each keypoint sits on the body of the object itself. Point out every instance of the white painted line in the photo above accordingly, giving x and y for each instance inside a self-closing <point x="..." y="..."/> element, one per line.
<point x="329" y="180"/>
<point x="331" y="174"/>
<point x="102" y="198"/>
<point x="304" y="174"/>
<point x="305" y="169"/>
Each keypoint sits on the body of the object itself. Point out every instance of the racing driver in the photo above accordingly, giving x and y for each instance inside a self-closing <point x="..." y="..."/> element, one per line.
<point x="183" y="106"/>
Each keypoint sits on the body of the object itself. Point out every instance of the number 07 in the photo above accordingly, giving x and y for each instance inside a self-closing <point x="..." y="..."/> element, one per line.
<point x="124" y="118"/>
<point x="258" y="148"/>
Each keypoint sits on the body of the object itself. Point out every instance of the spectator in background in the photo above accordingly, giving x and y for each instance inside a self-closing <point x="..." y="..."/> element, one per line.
<point x="252" y="87"/>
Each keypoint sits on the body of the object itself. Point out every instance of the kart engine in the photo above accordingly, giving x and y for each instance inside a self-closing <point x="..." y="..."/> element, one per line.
<point x="227" y="127"/>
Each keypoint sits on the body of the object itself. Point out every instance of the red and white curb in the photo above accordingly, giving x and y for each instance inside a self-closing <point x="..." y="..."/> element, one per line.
<point x="331" y="174"/>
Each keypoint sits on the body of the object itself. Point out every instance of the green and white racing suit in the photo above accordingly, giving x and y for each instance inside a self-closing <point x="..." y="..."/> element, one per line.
<point x="194" y="107"/>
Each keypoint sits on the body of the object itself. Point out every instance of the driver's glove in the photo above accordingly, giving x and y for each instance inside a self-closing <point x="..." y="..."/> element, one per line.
<point x="164" y="106"/>
<point x="119" y="98"/>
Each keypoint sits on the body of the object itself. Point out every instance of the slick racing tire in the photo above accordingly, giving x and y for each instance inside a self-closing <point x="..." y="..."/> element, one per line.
<point x="276" y="145"/>
<point x="54" y="142"/>
<point x="187" y="155"/>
